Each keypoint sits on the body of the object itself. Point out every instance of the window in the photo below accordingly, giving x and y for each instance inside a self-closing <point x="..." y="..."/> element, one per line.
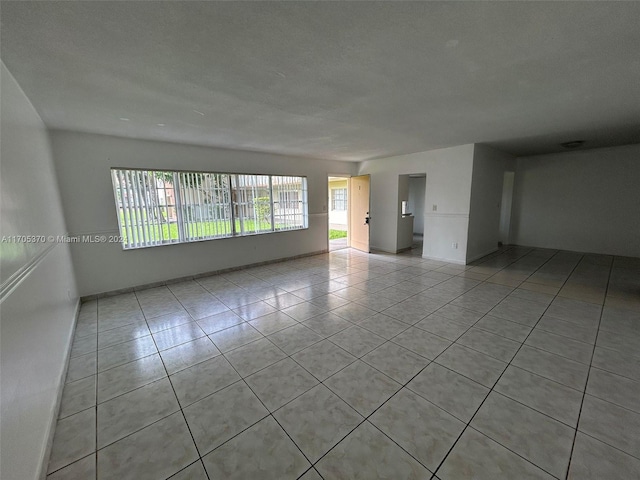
<point x="339" y="199"/>
<point x="158" y="207"/>
<point x="290" y="202"/>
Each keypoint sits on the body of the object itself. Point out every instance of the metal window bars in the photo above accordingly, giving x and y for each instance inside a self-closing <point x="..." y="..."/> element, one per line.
<point x="159" y="207"/>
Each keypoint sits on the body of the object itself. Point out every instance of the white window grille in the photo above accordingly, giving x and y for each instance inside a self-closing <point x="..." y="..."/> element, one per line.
<point x="339" y="199"/>
<point x="158" y="207"/>
<point x="251" y="195"/>
<point x="290" y="202"/>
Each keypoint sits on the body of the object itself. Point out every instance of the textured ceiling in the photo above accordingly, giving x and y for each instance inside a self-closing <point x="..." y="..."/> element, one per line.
<point x="346" y="81"/>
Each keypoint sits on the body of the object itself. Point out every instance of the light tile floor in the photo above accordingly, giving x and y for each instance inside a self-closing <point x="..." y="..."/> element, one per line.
<point x="524" y="365"/>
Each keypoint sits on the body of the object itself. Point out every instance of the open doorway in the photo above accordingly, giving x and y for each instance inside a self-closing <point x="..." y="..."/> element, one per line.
<point x="411" y="193"/>
<point x="338" y="204"/>
<point x="417" y="188"/>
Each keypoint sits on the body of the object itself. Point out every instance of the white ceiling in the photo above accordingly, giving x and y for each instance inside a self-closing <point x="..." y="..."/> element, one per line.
<point x="347" y="81"/>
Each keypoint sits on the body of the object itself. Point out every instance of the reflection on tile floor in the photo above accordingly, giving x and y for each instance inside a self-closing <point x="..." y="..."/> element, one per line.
<point x="525" y="364"/>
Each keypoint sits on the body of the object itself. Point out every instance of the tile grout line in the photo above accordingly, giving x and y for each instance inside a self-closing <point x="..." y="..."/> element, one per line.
<point x="337" y="345"/>
<point x="468" y="424"/>
<point x="242" y="379"/>
<point x="269" y="412"/>
<point x="366" y="419"/>
<point x="399" y="267"/>
<point x="97" y="306"/>
<point x="321" y="382"/>
<point x="584" y="394"/>
<point x="96" y="387"/>
<point x="158" y="352"/>
<point x="434" y="361"/>
<point x="264" y="336"/>
<point x="173" y="389"/>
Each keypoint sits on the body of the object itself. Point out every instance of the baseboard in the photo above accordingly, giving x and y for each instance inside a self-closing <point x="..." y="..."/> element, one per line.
<point x="44" y="464"/>
<point x="477" y="257"/>
<point x="374" y="249"/>
<point x="171" y="281"/>
<point x="448" y="260"/>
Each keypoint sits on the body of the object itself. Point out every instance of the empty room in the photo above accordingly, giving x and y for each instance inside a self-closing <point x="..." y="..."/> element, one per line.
<point x="319" y="240"/>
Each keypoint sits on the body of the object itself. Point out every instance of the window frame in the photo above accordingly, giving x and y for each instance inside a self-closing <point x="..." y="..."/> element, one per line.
<point x="343" y="200"/>
<point x="138" y="234"/>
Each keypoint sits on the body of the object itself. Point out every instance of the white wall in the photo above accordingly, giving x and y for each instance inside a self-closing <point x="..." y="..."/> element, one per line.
<point x="448" y="186"/>
<point x="489" y="166"/>
<point x="587" y="201"/>
<point x="83" y="163"/>
<point x="416" y="202"/>
<point x="39" y="297"/>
